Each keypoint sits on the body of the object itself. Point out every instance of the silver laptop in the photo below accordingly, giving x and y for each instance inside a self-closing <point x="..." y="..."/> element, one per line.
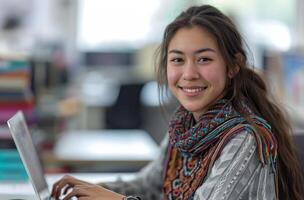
<point x="29" y="156"/>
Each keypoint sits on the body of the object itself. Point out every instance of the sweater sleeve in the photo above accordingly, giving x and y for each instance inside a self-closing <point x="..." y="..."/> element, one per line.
<point x="148" y="182"/>
<point x="237" y="174"/>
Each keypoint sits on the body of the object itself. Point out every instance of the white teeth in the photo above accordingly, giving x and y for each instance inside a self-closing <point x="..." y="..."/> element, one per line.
<point x="193" y="90"/>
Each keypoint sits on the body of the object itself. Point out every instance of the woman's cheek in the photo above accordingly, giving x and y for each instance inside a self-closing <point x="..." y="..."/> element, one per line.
<point x="173" y="76"/>
<point x="214" y="76"/>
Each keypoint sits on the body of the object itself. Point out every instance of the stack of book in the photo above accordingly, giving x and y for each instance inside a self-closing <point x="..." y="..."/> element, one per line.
<point x="11" y="167"/>
<point x="15" y="94"/>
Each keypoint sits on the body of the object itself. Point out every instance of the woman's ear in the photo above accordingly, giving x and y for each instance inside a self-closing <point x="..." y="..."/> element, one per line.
<point x="238" y="60"/>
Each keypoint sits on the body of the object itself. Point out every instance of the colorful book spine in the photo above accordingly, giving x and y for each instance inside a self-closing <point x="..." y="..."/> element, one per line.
<point x="11" y="166"/>
<point x="15" y="94"/>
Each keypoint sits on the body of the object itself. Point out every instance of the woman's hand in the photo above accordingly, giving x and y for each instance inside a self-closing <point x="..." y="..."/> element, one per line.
<point x="82" y="190"/>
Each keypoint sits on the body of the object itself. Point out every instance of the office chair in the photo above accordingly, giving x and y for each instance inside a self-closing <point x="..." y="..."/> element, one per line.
<point x="126" y="112"/>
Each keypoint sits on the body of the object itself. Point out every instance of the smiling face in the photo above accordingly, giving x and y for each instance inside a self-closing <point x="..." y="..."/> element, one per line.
<point x="196" y="71"/>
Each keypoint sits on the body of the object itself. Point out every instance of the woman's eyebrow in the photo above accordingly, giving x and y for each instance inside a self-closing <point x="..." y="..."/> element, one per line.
<point x="204" y="50"/>
<point x="175" y="51"/>
<point x="195" y="52"/>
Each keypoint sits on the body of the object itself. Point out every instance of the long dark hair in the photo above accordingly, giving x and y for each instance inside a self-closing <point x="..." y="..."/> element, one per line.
<point x="246" y="84"/>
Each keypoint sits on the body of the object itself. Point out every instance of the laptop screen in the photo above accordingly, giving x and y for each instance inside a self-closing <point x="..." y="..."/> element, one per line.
<point x="27" y="151"/>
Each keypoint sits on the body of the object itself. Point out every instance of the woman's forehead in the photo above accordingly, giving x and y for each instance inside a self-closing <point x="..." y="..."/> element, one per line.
<point x="192" y="39"/>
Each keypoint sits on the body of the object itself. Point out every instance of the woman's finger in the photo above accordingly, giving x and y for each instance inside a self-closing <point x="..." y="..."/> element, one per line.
<point x="66" y="189"/>
<point x="54" y="187"/>
<point x="66" y="181"/>
<point x="76" y="192"/>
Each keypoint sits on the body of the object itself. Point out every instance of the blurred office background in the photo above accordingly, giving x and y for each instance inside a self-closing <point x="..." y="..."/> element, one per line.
<point x="84" y="68"/>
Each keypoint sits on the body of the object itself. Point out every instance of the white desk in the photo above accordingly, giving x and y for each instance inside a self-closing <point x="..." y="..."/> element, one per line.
<point x="24" y="189"/>
<point x="119" y="150"/>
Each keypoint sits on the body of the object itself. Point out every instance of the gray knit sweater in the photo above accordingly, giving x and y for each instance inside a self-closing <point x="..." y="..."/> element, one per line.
<point x="236" y="175"/>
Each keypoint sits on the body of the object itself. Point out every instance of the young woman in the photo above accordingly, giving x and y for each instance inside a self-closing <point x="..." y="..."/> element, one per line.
<point x="227" y="140"/>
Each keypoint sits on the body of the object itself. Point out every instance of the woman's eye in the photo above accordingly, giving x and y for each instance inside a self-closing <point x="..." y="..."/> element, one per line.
<point x="204" y="60"/>
<point x="176" y="60"/>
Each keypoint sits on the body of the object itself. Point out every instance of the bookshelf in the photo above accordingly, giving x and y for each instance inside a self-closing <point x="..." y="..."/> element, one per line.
<point x="15" y="94"/>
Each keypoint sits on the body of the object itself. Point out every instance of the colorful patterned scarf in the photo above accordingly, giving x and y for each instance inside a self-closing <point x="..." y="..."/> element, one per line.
<point x="193" y="148"/>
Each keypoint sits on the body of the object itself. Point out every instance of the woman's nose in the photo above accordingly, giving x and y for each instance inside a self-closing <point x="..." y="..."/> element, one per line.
<point x="190" y="71"/>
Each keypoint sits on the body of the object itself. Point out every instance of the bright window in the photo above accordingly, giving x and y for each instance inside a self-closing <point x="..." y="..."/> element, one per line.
<point x="104" y="23"/>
